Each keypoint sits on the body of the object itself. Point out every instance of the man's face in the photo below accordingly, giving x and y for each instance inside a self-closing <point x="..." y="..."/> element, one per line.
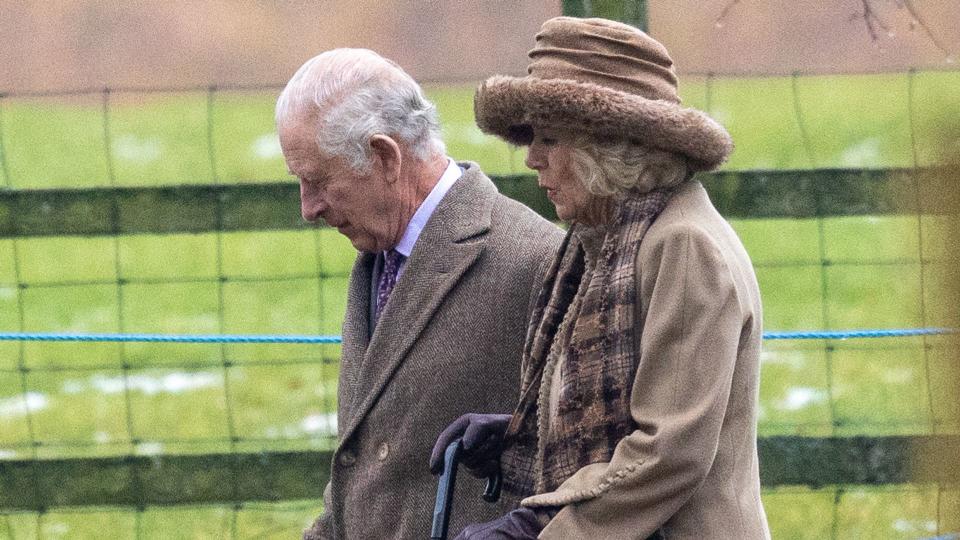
<point x="363" y="207"/>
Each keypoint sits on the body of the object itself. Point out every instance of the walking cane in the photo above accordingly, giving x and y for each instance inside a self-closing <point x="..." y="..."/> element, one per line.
<point x="446" y="485"/>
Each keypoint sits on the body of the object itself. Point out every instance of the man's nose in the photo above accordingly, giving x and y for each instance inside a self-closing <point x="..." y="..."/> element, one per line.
<point x="312" y="203"/>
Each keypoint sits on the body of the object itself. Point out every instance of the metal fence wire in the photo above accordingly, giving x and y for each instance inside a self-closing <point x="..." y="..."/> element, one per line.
<point x="168" y="211"/>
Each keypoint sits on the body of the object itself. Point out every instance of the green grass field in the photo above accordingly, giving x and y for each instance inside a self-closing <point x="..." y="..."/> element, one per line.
<point x="794" y="513"/>
<point x="76" y="400"/>
<point x="874" y="121"/>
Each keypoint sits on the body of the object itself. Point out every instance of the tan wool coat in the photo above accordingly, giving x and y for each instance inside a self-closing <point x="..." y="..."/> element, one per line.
<point x="448" y="342"/>
<point x="690" y="469"/>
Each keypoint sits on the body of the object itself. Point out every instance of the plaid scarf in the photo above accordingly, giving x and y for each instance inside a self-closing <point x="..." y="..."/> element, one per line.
<point x="600" y="358"/>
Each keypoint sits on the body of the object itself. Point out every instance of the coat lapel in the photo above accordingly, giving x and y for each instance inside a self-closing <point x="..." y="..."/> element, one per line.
<point x="356" y="329"/>
<point x="449" y="244"/>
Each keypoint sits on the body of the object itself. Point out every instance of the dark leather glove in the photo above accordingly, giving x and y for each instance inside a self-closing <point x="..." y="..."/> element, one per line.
<point x="482" y="442"/>
<point x="520" y="524"/>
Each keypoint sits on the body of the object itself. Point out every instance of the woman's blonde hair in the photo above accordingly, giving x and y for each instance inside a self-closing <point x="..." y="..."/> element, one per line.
<point x="615" y="168"/>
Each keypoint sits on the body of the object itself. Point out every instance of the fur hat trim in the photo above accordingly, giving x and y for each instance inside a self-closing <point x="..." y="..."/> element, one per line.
<point x="510" y="107"/>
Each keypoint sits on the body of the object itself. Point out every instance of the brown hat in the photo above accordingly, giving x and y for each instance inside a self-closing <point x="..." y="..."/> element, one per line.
<point x="604" y="78"/>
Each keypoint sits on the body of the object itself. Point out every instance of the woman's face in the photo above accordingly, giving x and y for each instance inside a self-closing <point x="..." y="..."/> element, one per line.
<point x="551" y="155"/>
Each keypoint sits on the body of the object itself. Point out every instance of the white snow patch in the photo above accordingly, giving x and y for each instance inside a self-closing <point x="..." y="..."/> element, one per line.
<point x="132" y="148"/>
<point x="23" y="404"/>
<point x="866" y="153"/>
<point x="915" y="526"/>
<point x="772" y="357"/>
<point x="794" y="359"/>
<point x="171" y="383"/>
<point x="149" y="449"/>
<point x="266" y="146"/>
<point x="314" y="424"/>
<point x="57" y="529"/>
<point x="800" y="397"/>
<point x="73" y="386"/>
<point x="899" y="375"/>
<point x="320" y="424"/>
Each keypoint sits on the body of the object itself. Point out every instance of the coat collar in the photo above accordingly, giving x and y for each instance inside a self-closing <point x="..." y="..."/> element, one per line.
<point x="356" y="329"/>
<point x="449" y="244"/>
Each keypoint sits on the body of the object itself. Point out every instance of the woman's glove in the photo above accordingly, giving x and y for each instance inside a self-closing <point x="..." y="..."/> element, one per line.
<point x="520" y="524"/>
<point x="482" y="436"/>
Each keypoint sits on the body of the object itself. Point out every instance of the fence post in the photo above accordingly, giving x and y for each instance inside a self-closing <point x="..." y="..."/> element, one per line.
<point x="3" y="151"/>
<point x="632" y="12"/>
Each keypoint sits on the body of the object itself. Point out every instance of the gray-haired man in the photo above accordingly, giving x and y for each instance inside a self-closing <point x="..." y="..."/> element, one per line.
<point x="439" y="295"/>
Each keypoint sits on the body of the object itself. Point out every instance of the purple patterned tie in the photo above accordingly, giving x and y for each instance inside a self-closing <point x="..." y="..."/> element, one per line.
<point x="388" y="278"/>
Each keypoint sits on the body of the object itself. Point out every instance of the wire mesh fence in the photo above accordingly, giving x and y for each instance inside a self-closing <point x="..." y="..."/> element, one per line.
<point x="168" y="211"/>
<point x="848" y="512"/>
<point x="240" y="520"/>
<point x="127" y="137"/>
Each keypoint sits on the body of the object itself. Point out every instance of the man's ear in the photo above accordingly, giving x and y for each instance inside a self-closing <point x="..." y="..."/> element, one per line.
<point x="386" y="156"/>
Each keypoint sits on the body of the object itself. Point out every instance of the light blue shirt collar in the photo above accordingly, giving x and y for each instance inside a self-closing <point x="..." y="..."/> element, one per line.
<point x="423" y="213"/>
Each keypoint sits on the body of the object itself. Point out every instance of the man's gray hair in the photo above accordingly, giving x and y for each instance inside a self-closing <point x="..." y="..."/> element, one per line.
<point x="354" y="94"/>
<point x="612" y="168"/>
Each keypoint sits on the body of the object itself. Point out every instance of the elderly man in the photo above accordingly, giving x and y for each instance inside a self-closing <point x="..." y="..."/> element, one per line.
<point x="439" y="296"/>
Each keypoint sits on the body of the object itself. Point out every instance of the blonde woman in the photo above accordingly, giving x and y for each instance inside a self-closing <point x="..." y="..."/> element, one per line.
<point x="638" y="407"/>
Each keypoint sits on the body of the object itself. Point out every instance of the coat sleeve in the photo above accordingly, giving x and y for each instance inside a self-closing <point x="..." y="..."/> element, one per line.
<point x="688" y="348"/>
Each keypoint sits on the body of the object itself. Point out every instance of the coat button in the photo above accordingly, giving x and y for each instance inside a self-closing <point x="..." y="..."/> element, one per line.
<point x="347" y="459"/>
<point x="383" y="451"/>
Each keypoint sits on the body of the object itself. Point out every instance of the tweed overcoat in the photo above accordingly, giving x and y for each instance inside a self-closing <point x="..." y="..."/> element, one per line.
<point x="690" y="468"/>
<point x="448" y="342"/>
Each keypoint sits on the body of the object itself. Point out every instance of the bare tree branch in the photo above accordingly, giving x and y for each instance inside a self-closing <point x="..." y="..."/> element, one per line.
<point x="872" y="20"/>
<point x="718" y="22"/>
<point x="917" y="19"/>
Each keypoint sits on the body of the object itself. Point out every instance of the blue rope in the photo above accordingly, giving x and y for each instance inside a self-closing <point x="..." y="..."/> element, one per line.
<point x="854" y="334"/>
<point x="252" y="338"/>
<point x="167" y="338"/>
